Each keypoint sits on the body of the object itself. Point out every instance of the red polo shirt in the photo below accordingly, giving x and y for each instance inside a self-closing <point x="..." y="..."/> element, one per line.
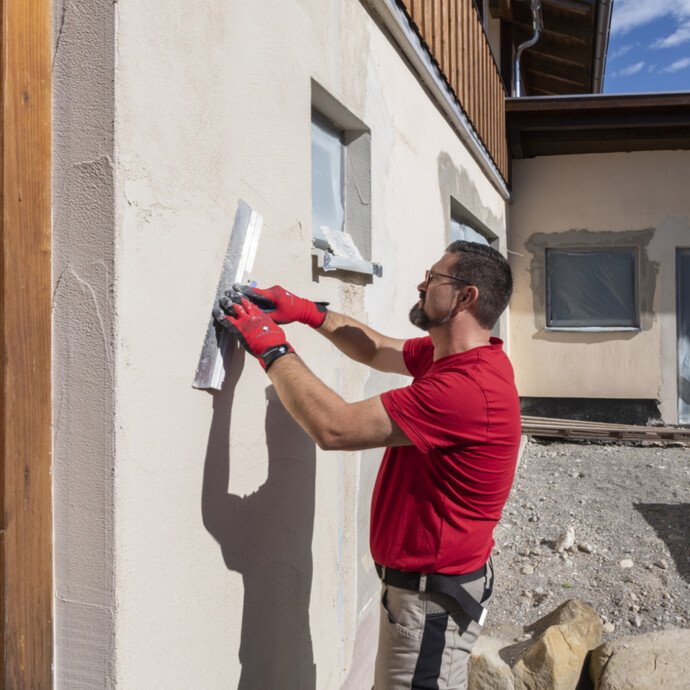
<point x="435" y="503"/>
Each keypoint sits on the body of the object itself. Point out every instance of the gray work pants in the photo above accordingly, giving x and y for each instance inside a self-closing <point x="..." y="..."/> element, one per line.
<point x="425" y="638"/>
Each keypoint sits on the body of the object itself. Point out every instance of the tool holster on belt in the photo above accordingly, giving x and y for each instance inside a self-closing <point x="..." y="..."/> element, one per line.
<point x="450" y="585"/>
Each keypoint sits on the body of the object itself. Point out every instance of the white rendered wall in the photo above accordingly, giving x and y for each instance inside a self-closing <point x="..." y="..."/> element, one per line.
<point x="239" y="550"/>
<point x="614" y="199"/>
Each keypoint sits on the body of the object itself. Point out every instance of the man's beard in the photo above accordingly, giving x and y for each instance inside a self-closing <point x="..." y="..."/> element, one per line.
<point x="419" y="318"/>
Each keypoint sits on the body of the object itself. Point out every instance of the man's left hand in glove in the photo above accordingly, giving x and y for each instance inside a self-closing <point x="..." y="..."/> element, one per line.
<point x="257" y="333"/>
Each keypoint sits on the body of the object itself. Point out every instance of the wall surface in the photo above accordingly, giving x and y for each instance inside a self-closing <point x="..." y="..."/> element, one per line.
<point x="234" y="552"/>
<point x="84" y="367"/>
<point x="597" y="200"/>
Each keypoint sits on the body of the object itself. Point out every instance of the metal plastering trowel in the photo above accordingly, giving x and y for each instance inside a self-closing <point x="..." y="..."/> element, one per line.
<point x="238" y="262"/>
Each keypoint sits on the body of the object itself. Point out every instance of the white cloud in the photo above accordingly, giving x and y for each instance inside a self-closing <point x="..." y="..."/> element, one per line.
<point x="620" y="52"/>
<point x="678" y="37"/>
<point x="629" y="14"/>
<point x="651" y="69"/>
<point x="631" y="69"/>
<point x="676" y="66"/>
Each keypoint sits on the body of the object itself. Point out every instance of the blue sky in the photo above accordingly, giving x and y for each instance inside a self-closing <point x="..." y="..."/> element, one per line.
<point x="649" y="47"/>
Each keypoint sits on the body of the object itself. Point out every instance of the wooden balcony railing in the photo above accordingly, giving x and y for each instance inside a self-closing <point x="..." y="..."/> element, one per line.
<point x="453" y="32"/>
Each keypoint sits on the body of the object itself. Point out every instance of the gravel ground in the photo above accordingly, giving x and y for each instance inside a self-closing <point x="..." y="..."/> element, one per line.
<point x="606" y="524"/>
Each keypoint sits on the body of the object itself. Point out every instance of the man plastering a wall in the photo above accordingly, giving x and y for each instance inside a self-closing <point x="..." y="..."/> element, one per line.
<point x="451" y="440"/>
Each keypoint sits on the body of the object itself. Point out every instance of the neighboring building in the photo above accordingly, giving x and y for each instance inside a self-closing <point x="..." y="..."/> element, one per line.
<point x="599" y="233"/>
<point x="204" y="541"/>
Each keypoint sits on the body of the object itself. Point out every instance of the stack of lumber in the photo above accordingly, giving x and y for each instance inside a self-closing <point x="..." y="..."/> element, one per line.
<point x="572" y="428"/>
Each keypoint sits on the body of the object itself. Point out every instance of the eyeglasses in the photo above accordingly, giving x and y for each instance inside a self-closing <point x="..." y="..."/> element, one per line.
<point x="433" y="275"/>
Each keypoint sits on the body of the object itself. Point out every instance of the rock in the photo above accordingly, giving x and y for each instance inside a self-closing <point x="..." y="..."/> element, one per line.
<point x="609" y="627"/>
<point x="527" y="570"/>
<point x="656" y="660"/>
<point x="554" y="659"/>
<point x="566" y="540"/>
<point x="661" y="564"/>
<point x="487" y="670"/>
<point x="586" y="548"/>
<point x="626" y="563"/>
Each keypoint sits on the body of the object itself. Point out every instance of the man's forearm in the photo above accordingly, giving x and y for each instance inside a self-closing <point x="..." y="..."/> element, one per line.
<point x="362" y="343"/>
<point x="312" y="404"/>
<point x="333" y="423"/>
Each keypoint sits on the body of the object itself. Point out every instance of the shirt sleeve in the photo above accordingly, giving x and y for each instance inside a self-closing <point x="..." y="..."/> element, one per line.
<point x="418" y="352"/>
<point x="440" y="411"/>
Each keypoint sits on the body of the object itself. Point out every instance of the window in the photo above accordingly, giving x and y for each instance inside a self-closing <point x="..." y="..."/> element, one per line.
<point x="464" y="225"/>
<point x="341" y="187"/>
<point x="327" y="159"/>
<point x="592" y="289"/>
<point x="461" y="231"/>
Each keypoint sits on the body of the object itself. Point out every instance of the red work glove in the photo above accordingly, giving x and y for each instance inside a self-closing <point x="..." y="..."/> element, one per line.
<point x="257" y="333"/>
<point x="284" y="307"/>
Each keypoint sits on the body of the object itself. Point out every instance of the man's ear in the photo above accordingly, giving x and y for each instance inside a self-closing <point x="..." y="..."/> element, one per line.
<point x="467" y="298"/>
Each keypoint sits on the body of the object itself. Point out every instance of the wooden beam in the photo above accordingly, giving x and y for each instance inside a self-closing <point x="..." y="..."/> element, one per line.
<point x="613" y="102"/>
<point x="551" y="83"/>
<point x="589" y="121"/>
<point x="569" y="81"/>
<point x="579" y="75"/>
<point x="610" y="134"/>
<point x="575" y="62"/>
<point x="25" y="355"/>
<point x="582" y="7"/>
<point x="620" y="145"/>
<point x="554" y="45"/>
<point x="573" y="30"/>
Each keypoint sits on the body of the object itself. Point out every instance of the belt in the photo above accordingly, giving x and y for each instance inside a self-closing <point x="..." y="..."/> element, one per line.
<point x="451" y="585"/>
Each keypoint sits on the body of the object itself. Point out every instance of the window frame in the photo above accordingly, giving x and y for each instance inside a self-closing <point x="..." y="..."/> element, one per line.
<point x="460" y="214"/>
<point x="592" y="250"/>
<point x="355" y="137"/>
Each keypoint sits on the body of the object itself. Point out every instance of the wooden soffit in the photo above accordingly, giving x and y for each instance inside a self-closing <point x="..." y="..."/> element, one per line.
<point x="550" y="126"/>
<point x="562" y="60"/>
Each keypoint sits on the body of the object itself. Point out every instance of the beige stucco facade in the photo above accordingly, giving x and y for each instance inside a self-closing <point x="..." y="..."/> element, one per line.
<point x="203" y="540"/>
<point x="599" y="200"/>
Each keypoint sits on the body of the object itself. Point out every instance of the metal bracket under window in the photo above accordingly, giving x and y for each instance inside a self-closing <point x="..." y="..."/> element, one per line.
<point x="330" y="262"/>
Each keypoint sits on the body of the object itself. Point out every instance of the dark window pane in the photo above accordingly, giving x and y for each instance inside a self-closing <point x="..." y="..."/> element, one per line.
<point x="591" y="288"/>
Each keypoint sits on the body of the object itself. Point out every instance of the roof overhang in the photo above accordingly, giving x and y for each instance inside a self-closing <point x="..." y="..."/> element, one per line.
<point x="548" y="126"/>
<point x="570" y="55"/>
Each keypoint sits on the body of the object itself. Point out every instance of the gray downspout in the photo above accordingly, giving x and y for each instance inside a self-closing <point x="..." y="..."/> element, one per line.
<point x="601" y="43"/>
<point x="537" y="25"/>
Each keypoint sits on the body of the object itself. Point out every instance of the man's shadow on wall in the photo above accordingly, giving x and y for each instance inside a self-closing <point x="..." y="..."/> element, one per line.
<point x="266" y="537"/>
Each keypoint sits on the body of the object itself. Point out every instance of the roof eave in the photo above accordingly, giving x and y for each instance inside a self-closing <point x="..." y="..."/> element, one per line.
<point x="601" y="43"/>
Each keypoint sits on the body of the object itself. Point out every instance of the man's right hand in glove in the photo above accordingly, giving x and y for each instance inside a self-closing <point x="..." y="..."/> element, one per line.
<point x="256" y="332"/>
<point x="285" y="307"/>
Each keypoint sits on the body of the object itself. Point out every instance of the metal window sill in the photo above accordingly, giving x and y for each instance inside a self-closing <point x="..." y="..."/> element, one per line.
<point x="330" y="262"/>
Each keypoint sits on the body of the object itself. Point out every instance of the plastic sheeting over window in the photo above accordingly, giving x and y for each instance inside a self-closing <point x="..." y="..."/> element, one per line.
<point x="326" y="179"/>
<point x="461" y="231"/>
<point x="591" y="288"/>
